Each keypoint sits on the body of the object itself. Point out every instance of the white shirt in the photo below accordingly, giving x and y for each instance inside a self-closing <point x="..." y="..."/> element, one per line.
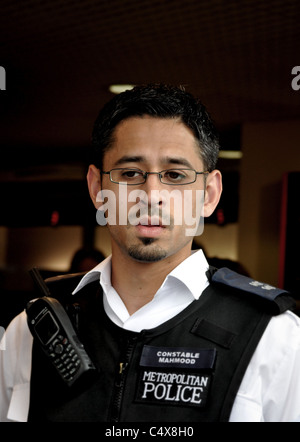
<point x="270" y="390"/>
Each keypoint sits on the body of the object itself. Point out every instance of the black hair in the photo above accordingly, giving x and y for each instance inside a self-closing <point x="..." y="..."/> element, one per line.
<point x="159" y="101"/>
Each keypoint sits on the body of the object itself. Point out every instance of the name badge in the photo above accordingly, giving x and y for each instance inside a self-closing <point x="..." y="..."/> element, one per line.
<point x="178" y="357"/>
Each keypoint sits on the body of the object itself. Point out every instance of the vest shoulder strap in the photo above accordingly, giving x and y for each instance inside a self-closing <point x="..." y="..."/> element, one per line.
<point x="276" y="299"/>
<point x="62" y="286"/>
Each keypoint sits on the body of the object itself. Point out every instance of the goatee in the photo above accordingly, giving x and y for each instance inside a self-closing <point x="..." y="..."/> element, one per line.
<point x="145" y="254"/>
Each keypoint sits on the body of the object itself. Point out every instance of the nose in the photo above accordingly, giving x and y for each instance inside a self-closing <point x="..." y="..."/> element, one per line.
<point x="153" y="187"/>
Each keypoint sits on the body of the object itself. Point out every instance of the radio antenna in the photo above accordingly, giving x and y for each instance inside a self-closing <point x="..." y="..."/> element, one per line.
<point x="39" y="282"/>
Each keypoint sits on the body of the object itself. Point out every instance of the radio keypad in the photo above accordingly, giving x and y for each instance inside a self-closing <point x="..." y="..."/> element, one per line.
<point x="64" y="357"/>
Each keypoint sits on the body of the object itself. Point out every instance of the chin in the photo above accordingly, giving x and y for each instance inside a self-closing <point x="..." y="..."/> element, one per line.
<point x="146" y="253"/>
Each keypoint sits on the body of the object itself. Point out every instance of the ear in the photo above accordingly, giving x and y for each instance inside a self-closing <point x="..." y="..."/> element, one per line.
<point x="94" y="184"/>
<point x="212" y="192"/>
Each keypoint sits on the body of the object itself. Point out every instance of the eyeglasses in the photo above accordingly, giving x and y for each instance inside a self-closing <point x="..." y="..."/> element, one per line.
<point x="172" y="177"/>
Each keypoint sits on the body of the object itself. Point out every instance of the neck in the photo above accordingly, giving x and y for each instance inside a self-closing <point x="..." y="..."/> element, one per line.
<point x="137" y="282"/>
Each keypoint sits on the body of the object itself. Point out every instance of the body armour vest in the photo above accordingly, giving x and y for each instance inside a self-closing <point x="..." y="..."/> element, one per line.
<point x="188" y="369"/>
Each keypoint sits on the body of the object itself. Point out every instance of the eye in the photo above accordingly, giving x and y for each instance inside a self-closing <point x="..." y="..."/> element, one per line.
<point x="130" y="173"/>
<point x="174" y="175"/>
<point x="131" y="176"/>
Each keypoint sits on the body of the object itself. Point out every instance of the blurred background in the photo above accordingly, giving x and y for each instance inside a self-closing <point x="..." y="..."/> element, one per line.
<point x="59" y="59"/>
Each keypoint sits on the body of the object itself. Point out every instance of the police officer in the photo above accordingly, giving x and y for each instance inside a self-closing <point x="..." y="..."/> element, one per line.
<point x="171" y="338"/>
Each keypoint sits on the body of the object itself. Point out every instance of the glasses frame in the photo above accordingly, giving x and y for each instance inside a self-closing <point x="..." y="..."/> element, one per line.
<point x="146" y="174"/>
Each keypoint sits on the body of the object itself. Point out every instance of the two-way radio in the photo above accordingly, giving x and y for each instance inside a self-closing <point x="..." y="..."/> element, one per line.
<point x="53" y="330"/>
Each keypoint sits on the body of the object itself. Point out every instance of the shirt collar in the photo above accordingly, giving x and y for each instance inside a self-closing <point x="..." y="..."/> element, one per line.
<point x="101" y="272"/>
<point x="191" y="272"/>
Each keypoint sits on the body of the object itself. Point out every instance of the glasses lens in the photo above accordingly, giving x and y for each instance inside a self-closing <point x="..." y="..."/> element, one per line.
<point x="178" y="176"/>
<point x="128" y="176"/>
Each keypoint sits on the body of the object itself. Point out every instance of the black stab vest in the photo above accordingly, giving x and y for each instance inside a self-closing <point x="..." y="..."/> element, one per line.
<point x="188" y="369"/>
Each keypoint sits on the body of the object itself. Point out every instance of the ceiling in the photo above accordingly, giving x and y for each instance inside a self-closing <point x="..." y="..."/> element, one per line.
<point x="60" y="57"/>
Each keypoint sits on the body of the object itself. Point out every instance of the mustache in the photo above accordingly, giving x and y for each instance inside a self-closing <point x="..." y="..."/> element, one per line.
<point x="155" y="216"/>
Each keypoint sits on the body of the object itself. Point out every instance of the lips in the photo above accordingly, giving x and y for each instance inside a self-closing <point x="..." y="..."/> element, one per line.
<point x="150" y="231"/>
<point x="150" y="227"/>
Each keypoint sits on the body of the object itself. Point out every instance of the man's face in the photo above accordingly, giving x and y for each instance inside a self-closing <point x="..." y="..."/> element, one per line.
<point x="153" y="145"/>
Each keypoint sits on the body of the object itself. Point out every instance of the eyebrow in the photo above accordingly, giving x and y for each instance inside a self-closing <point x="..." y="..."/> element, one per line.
<point x="179" y="161"/>
<point x="129" y="159"/>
